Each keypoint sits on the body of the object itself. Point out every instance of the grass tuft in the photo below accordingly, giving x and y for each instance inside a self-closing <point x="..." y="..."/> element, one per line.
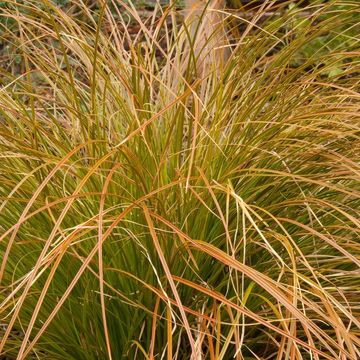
<point x="158" y="204"/>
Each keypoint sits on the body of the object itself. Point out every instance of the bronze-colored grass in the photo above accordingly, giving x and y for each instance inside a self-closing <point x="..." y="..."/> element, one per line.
<point x="155" y="206"/>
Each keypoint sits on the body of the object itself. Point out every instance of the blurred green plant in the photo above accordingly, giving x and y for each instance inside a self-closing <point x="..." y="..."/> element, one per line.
<point x="345" y="35"/>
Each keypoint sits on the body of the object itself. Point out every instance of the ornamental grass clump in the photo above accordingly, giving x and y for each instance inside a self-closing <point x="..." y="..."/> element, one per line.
<point x="158" y="205"/>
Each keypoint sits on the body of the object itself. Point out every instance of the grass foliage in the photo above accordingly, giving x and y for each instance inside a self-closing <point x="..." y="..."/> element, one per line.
<point x="157" y="205"/>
